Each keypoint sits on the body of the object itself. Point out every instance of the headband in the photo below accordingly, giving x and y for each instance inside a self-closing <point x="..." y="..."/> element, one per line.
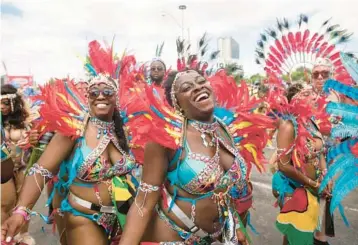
<point x="11" y="97"/>
<point x="102" y="78"/>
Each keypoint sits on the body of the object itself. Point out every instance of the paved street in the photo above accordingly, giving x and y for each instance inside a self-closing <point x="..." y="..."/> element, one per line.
<point x="263" y="218"/>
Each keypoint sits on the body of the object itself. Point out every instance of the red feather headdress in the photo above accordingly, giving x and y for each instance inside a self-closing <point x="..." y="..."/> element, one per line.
<point x="280" y="49"/>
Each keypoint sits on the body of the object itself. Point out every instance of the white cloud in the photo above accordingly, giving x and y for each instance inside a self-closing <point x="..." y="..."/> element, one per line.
<point x="50" y="34"/>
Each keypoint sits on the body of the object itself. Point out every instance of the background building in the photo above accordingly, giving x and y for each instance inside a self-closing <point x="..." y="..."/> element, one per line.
<point x="229" y="54"/>
<point x="229" y="48"/>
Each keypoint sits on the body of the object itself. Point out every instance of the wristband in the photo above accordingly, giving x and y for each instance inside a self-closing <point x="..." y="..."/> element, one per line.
<point x="23" y="211"/>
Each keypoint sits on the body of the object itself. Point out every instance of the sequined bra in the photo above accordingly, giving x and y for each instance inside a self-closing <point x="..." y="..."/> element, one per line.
<point x="91" y="167"/>
<point x="198" y="174"/>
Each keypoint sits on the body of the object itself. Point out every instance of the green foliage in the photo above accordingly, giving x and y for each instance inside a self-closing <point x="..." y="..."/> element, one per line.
<point x="235" y="70"/>
<point x="254" y="78"/>
<point x="300" y="74"/>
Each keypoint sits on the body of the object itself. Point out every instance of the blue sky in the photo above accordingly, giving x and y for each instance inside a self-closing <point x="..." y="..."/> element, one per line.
<point x="47" y="37"/>
<point x="10" y="9"/>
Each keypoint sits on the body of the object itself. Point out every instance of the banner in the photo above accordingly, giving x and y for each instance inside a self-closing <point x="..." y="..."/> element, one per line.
<point x="19" y="81"/>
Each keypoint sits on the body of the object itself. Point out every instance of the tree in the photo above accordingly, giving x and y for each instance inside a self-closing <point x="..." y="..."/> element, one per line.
<point x="299" y="75"/>
<point x="235" y="70"/>
<point x="255" y="78"/>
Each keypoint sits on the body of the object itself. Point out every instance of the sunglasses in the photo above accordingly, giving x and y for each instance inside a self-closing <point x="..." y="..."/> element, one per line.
<point x="157" y="68"/>
<point x="324" y="74"/>
<point x="94" y="93"/>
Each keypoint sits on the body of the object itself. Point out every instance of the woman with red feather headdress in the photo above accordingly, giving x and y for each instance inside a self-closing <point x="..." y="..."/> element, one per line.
<point x="90" y="153"/>
<point x="197" y="166"/>
<point x="16" y="123"/>
<point x="300" y="141"/>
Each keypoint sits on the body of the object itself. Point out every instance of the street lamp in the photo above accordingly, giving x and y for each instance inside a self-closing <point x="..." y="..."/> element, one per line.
<point x="173" y="18"/>
<point x="181" y="26"/>
<point x="182" y="8"/>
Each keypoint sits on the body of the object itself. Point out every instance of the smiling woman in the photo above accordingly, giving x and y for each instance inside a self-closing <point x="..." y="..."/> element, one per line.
<point x="197" y="105"/>
<point x="193" y="172"/>
<point x="89" y="155"/>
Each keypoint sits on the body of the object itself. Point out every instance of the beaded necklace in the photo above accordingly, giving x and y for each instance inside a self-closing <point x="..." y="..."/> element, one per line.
<point x="102" y="126"/>
<point x="204" y="129"/>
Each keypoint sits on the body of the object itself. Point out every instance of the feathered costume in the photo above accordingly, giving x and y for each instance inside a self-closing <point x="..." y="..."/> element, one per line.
<point x="248" y="133"/>
<point x="299" y="215"/>
<point x="343" y="157"/>
<point x="65" y="111"/>
<point x="280" y="50"/>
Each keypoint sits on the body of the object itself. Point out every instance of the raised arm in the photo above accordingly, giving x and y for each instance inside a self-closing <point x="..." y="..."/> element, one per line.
<point x="148" y="194"/>
<point x="285" y="138"/>
<point x="58" y="150"/>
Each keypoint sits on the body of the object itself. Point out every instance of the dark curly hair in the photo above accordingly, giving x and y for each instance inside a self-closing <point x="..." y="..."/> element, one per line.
<point x="169" y="82"/>
<point x="293" y="90"/>
<point x="17" y="117"/>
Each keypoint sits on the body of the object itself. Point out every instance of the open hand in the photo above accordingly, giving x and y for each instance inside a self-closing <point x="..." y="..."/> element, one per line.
<point x="11" y="227"/>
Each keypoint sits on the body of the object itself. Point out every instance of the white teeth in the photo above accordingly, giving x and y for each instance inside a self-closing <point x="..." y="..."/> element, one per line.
<point x="101" y="105"/>
<point x="202" y="96"/>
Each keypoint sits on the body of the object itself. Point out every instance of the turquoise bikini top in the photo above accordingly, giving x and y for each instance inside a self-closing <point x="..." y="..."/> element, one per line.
<point x="86" y="164"/>
<point x="199" y="174"/>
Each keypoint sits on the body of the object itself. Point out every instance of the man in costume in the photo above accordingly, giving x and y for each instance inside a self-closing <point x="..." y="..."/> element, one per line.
<point x="321" y="72"/>
<point x="157" y="72"/>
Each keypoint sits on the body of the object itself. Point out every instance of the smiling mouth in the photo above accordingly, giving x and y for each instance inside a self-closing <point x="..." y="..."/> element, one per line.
<point x="201" y="97"/>
<point x="101" y="105"/>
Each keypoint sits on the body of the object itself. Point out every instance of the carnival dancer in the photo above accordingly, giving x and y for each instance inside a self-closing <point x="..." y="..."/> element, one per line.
<point x="157" y="68"/>
<point x="156" y="74"/>
<point x="301" y="164"/>
<point x="282" y="49"/>
<point x="89" y="152"/>
<point x="16" y="123"/>
<point x="193" y="172"/>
